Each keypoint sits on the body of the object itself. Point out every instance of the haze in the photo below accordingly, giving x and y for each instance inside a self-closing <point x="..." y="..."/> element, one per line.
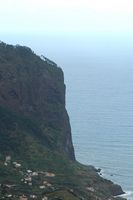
<point x="41" y="16"/>
<point x="85" y="30"/>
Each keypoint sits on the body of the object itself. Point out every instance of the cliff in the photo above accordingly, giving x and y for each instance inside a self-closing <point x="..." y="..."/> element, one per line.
<point x="36" y="150"/>
<point x="35" y="89"/>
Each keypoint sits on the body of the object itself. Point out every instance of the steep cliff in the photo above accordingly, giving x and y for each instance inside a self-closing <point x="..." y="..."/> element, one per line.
<point x="35" y="88"/>
<point x="36" y="151"/>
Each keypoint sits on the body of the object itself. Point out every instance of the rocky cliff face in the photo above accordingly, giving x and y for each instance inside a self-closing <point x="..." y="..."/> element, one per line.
<point x="34" y="87"/>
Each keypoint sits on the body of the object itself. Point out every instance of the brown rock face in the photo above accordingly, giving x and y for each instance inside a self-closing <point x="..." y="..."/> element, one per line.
<point x="35" y="88"/>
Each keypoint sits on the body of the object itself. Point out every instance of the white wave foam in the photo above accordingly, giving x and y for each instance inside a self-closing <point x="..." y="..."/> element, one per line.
<point x="128" y="195"/>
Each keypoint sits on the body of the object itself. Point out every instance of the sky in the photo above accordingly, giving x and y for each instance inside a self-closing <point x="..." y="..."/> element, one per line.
<point x="66" y="30"/>
<point x="68" y="17"/>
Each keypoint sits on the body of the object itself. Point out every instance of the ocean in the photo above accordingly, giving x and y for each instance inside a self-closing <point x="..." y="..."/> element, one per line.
<point x="100" y="106"/>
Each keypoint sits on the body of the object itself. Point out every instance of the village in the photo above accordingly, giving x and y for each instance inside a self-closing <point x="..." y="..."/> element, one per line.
<point x="30" y="178"/>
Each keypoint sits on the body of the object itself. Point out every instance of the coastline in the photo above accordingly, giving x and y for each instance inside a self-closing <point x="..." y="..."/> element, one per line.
<point x="45" y="159"/>
<point x="127" y="195"/>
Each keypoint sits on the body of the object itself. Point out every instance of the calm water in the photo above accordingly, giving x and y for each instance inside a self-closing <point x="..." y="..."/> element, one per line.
<point x="100" y="105"/>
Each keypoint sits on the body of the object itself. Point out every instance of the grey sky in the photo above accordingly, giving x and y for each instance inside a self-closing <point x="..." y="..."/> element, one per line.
<point x="41" y="16"/>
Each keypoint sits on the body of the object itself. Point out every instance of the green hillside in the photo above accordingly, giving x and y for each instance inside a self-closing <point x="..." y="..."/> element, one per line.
<point x="37" y="157"/>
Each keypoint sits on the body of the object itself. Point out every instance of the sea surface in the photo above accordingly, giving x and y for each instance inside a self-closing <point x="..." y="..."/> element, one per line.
<point x="100" y="106"/>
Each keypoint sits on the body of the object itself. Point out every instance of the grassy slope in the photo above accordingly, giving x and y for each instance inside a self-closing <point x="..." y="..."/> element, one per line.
<point x="19" y="140"/>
